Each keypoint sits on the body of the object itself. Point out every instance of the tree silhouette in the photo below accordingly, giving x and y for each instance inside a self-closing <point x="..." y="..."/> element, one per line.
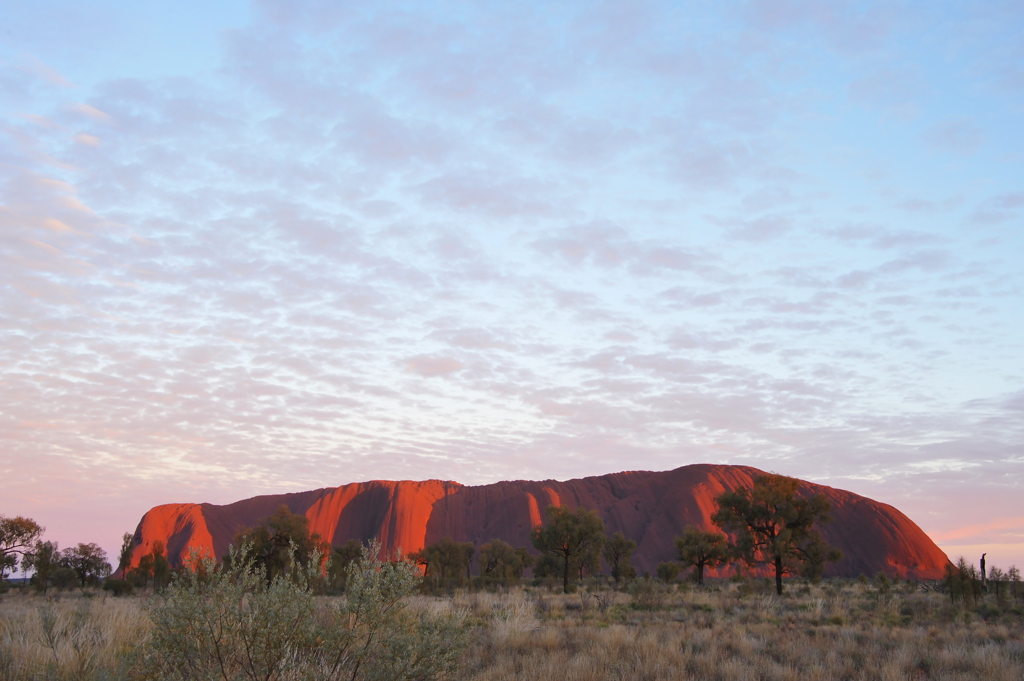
<point x="775" y="526"/>
<point x="701" y="549"/>
<point x="270" y="542"/>
<point x="668" y="571"/>
<point x="44" y="559"/>
<point x="445" y="560"/>
<point x="500" y="561"/>
<point x="17" y="537"/>
<point x="161" y="566"/>
<point x="88" y="561"/>
<point x="570" y="536"/>
<point x="617" y="553"/>
<point x="124" y="559"/>
<point x="341" y="558"/>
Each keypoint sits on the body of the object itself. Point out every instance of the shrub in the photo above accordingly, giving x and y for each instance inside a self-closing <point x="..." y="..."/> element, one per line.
<point x="118" y="587"/>
<point x="668" y="571"/>
<point x="217" y="622"/>
<point x="371" y="636"/>
<point x="229" y="623"/>
<point x="64" y="578"/>
<point x="647" y="595"/>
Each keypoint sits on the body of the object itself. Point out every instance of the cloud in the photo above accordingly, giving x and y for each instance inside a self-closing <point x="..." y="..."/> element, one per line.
<point x="961" y="136"/>
<point x="472" y="339"/>
<point x="895" y="89"/>
<point x="982" y="531"/>
<point x="759" y="229"/>
<point x="883" y="238"/>
<point x="605" y="244"/>
<point x="432" y="366"/>
<point x="41" y="70"/>
<point x="91" y="112"/>
<point x="629" y="236"/>
<point x="998" y="209"/>
<point x="846" y="29"/>
<point x="500" y="197"/>
<point x="683" y="297"/>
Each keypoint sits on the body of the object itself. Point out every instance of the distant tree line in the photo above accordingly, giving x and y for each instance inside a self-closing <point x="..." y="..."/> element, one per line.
<point x="966" y="583"/>
<point x="768" y="524"/>
<point x="21" y="543"/>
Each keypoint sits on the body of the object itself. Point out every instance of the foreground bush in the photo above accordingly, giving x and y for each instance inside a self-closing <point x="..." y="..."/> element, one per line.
<point x="229" y="623"/>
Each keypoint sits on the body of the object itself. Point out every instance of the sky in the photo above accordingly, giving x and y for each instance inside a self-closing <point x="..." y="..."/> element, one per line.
<point x="271" y="247"/>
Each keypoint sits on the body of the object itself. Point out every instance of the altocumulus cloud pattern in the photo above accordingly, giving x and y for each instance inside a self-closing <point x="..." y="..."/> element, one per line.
<point x="281" y="246"/>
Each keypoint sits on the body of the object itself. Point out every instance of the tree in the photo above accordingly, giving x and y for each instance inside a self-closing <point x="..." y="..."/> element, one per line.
<point x="118" y="587"/>
<point x="144" y="569"/>
<point x="617" y="553"/>
<point x="996" y="576"/>
<point x="500" y="561"/>
<point x="816" y="554"/>
<point x="44" y="559"/>
<point x="701" y="549"/>
<point x="957" y="576"/>
<point x="773" y="525"/>
<point x="341" y="558"/>
<point x="269" y="542"/>
<point x="969" y="581"/>
<point x="124" y="559"/>
<point x="88" y="561"/>
<point x="668" y="571"/>
<point x="161" y="566"/>
<point x="547" y="565"/>
<point x="588" y="562"/>
<point x="8" y="563"/>
<point x="17" y="537"/>
<point x="63" y="578"/>
<point x="445" y="560"/>
<point x="571" y="536"/>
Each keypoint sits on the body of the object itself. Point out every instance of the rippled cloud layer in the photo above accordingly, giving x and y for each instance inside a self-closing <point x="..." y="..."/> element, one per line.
<point x="483" y="242"/>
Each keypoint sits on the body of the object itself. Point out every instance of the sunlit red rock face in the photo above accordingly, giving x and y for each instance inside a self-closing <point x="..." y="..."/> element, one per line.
<point x="649" y="507"/>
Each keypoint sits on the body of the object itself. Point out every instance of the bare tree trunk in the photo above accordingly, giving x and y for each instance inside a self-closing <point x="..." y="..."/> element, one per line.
<point x="778" y="574"/>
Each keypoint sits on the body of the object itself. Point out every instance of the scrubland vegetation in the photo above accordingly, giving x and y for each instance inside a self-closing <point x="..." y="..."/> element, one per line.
<point x="725" y="629"/>
<point x="286" y="606"/>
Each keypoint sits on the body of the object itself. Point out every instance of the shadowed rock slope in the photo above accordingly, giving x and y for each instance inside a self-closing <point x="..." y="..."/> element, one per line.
<point x="649" y="507"/>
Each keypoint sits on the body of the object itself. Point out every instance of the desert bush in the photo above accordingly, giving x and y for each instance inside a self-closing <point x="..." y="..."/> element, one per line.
<point x="229" y="623"/>
<point x="64" y="578"/>
<point x="668" y="571"/>
<point x="370" y="635"/>
<point x="118" y="587"/>
<point x="647" y="594"/>
<point x="883" y="584"/>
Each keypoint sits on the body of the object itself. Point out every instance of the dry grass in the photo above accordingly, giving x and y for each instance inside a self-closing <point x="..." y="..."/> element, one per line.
<point x="850" y="632"/>
<point x="724" y="632"/>
<point x="68" y="636"/>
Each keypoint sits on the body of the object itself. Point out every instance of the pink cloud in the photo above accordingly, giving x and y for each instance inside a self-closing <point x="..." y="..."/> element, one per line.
<point x="429" y="366"/>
